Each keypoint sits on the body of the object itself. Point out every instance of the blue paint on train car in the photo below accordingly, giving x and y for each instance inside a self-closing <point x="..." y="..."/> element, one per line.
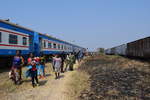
<point x="9" y="52"/>
<point x="36" y="44"/>
<point x="31" y="41"/>
<point x="51" y="52"/>
<point x="45" y="37"/>
<point x="11" y="27"/>
<point x="59" y="41"/>
<point x="51" y="39"/>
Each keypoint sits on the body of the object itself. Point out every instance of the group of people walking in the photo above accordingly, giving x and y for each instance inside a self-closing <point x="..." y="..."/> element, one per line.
<point x="36" y="66"/>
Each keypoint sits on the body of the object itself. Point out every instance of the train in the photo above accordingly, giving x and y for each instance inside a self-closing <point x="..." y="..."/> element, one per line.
<point x="15" y="37"/>
<point x="138" y="48"/>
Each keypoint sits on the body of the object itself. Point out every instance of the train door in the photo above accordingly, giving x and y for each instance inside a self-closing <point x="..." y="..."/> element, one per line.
<point x="36" y="44"/>
<point x="31" y="43"/>
<point x="40" y="44"/>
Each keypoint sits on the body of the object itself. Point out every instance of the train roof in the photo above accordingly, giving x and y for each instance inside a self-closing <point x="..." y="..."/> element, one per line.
<point x="59" y="39"/>
<point x="18" y="26"/>
<point x="131" y="42"/>
<point x="139" y="39"/>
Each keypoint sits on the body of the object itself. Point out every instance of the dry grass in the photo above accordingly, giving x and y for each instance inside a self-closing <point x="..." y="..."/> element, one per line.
<point x="7" y="86"/>
<point x="68" y="87"/>
<point x="78" y="83"/>
<point x="116" y="78"/>
<point x="98" y="78"/>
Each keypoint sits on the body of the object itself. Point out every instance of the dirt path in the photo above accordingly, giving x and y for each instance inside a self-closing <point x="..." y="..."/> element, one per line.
<point x="52" y="90"/>
<point x="49" y="89"/>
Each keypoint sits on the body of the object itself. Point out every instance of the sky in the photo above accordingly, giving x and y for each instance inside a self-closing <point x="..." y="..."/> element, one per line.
<point x="87" y="23"/>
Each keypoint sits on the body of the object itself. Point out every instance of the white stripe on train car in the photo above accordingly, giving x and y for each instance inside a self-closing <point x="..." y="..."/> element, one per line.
<point x="13" y="32"/>
<point x="3" y="46"/>
<point x="5" y="40"/>
<point x="53" y="49"/>
<point x="48" y="49"/>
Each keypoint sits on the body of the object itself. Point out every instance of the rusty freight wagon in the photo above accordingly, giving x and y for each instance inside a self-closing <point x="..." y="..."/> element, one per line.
<point x="139" y="48"/>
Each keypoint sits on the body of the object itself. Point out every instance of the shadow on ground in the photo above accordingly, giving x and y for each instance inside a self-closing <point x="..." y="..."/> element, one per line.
<point x="47" y="75"/>
<point x="43" y="82"/>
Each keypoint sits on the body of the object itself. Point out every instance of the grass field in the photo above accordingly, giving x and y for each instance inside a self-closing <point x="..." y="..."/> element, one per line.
<point x="116" y="78"/>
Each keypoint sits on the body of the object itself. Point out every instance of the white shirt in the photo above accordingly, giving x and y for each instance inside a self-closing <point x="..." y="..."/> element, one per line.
<point x="57" y="62"/>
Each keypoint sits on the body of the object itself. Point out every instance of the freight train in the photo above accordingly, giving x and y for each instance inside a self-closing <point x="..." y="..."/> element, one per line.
<point x="15" y="37"/>
<point x="139" y="48"/>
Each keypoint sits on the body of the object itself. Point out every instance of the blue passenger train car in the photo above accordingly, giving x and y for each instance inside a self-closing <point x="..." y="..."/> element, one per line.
<point x="15" y="37"/>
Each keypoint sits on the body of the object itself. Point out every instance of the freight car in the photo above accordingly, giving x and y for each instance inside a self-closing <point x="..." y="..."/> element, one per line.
<point x="121" y="50"/>
<point x="15" y="37"/>
<point x="139" y="48"/>
<point x="108" y="51"/>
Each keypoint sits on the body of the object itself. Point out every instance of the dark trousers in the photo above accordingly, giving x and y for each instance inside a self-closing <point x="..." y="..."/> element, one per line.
<point x="71" y="66"/>
<point x="20" y="73"/>
<point x="34" y="77"/>
<point x="62" y="66"/>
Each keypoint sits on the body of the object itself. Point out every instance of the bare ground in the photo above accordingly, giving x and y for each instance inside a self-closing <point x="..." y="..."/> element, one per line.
<point x="49" y="89"/>
<point x="98" y="78"/>
<point x="116" y="78"/>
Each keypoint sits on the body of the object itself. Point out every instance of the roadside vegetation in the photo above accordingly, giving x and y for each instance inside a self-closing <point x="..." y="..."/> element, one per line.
<point x="78" y="83"/>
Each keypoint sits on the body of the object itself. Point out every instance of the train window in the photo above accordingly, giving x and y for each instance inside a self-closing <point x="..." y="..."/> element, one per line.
<point x="49" y="45"/>
<point x="44" y="44"/>
<point x="65" y="47"/>
<point x="24" y="41"/>
<point x="40" y="40"/>
<point x="54" y="45"/>
<point x="0" y="36"/>
<point x="13" y="39"/>
<point x="62" y="47"/>
<point x="58" y="46"/>
<point x="30" y="40"/>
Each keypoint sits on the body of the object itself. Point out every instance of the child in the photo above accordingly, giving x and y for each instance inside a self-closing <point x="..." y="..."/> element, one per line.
<point x="33" y="70"/>
<point x="38" y="66"/>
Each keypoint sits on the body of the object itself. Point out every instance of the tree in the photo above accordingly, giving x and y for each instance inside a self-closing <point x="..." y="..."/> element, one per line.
<point x="101" y="50"/>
